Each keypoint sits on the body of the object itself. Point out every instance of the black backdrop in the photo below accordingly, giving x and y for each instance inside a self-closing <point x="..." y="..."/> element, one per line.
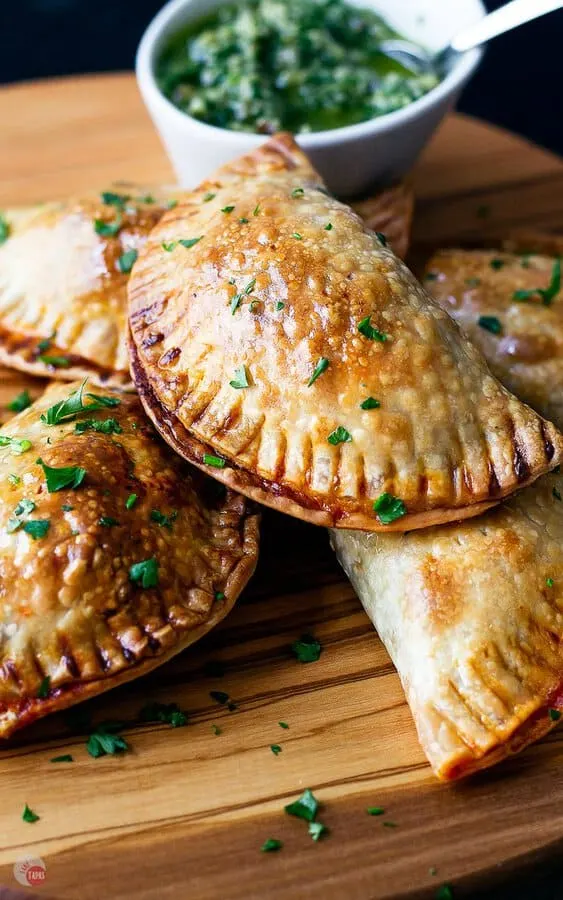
<point x="518" y="85"/>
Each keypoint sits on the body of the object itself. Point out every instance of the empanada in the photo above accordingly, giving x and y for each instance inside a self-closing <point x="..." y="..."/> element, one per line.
<point x="281" y="345"/>
<point x="63" y="274"/>
<point x="511" y="306"/>
<point x="114" y="555"/>
<point x="472" y="616"/>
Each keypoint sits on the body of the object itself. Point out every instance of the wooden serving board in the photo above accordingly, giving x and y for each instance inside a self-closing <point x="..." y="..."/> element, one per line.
<point x="185" y="812"/>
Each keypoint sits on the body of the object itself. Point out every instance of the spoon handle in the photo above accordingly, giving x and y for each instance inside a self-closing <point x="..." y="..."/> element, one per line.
<point x="504" y="19"/>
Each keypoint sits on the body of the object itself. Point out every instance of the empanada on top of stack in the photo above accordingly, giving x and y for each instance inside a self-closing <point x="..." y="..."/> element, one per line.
<point x="114" y="554"/>
<point x="282" y="345"/>
<point x="64" y="267"/>
<point x="511" y="306"/>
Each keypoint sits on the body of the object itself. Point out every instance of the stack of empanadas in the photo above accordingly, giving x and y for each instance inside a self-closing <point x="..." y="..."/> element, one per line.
<point x="279" y="345"/>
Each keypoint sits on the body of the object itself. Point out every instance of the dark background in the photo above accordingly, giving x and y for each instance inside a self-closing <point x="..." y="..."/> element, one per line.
<point x="518" y="86"/>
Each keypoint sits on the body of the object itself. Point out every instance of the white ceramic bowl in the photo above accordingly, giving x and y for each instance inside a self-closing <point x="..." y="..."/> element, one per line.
<point x="351" y="159"/>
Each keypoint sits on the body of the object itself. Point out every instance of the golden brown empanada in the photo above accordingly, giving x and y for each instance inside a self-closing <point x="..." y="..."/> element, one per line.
<point x="63" y="285"/>
<point x="114" y="554"/>
<point x="472" y="617"/>
<point x="511" y="307"/>
<point x="279" y="344"/>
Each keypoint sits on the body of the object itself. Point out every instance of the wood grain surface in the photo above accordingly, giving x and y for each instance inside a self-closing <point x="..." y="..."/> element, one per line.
<point x="184" y="813"/>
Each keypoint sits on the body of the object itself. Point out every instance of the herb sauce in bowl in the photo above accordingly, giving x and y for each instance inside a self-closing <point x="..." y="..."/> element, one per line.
<point x="298" y="65"/>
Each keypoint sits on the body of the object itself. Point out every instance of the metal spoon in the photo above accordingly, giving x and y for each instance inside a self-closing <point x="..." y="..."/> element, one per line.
<point x="510" y="16"/>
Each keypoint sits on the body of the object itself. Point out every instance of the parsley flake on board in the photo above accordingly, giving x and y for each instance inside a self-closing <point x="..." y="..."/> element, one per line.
<point x="112" y="199"/>
<point x="329" y="226"/>
<point x="370" y="403"/>
<point x="163" y="520"/>
<point x="219" y="595"/>
<point x="445" y="892"/>
<point x="16" y="445"/>
<point x="241" y="379"/>
<point x="28" y="815"/>
<point x="102" y="426"/>
<point x="19" y="403"/>
<point x="44" y="688"/>
<point x="546" y="294"/>
<point x="105" y="741"/>
<point x="317" y="829"/>
<point x="305" y="807"/>
<point x="36" y="528"/>
<point x="276" y="749"/>
<point x="108" y="229"/>
<point x="283" y="724"/>
<point x="207" y="197"/>
<point x="167" y="713"/>
<point x="4" y="230"/>
<point x="554" y="715"/>
<point x="216" y="461"/>
<point x="131" y="500"/>
<point x="339" y="436"/>
<point x="126" y="261"/>
<point x="497" y="264"/>
<point x="271" y="845"/>
<point x="321" y="367"/>
<point x="307" y="649"/>
<point x="389" y="824"/>
<point x="375" y="810"/>
<point x="65" y="477"/>
<point x="216" y="730"/>
<point x="64" y="757"/>
<point x="144" y="573"/>
<point x="389" y="508"/>
<point x="75" y="404"/>
<point x="188" y="243"/>
<point x="373" y="334"/>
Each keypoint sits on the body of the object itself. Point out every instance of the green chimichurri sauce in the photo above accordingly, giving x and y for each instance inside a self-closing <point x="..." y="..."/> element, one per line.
<point x="300" y="65"/>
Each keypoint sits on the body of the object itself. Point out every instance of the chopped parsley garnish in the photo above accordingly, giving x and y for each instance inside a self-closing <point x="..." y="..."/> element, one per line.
<point x="169" y="245"/>
<point x="16" y="445"/>
<point x="321" y="367"/>
<point x="107" y="521"/>
<point x="271" y="845"/>
<point x="168" y="713"/>
<point x="57" y="362"/>
<point x="297" y="236"/>
<point x="389" y="824"/>
<point x="297" y="192"/>
<point x="375" y="810"/>
<point x="367" y="329"/>
<point x="317" y="829"/>
<point x="108" y="229"/>
<point x="74" y="405"/>
<point x="145" y="573"/>
<point x="329" y="226"/>
<point x="445" y="892"/>
<point x="216" y="461"/>
<point x="556" y="494"/>
<point x="209" y="196"/>
<point x="163" y="520"/>
<point x="46" y="342"/>
<point x="256" y="210"/>
<point x="14" y="479"/>
<point x="280" y="305"/>
<point x="19" y="403"/>
<point x="146" y="198"/>
<point x="370" y="403"/>
<point x="283" y="724"/>
<point x="307" y="649"/>
<point x="4" y="230"/>
<point x="241" y="379"/>
<point x="497" y="264"/>
<point x="24" y="508"/>
<point x="131" y="500"/>
<point x="276" y="749"/>
<point x="554" y="715"/>
<point x="36" y="528"/>
<point x="549" y="582"/>
<point x="65" y="757"/>
<point x="103" y="426"/>
<point x="305" y="807"/>
<point x="339" y="436"/>
<point x="239" y="297"/>
<point x="216" y="730"/>
<point x="188" y="243"/>
<point x="490" y="323"/>
<point x="105" y="741"/>
<point x="28" y="815"/>
<point x="227" y="209"/>
<point x="44" y="688"/>
<point x="171" y="204"/>
<point x="64" y="477"/>
<point x="111" y="199"/>
<point x="389" y="508"/>
<point x="381" y="237"/>
<point x="219" y="595"/>
<point x="126" y="261"/>
<point x="546" y="294"/>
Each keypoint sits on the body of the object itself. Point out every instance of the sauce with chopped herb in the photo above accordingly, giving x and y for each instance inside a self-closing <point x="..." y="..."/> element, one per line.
<point x="300" y="65"/>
